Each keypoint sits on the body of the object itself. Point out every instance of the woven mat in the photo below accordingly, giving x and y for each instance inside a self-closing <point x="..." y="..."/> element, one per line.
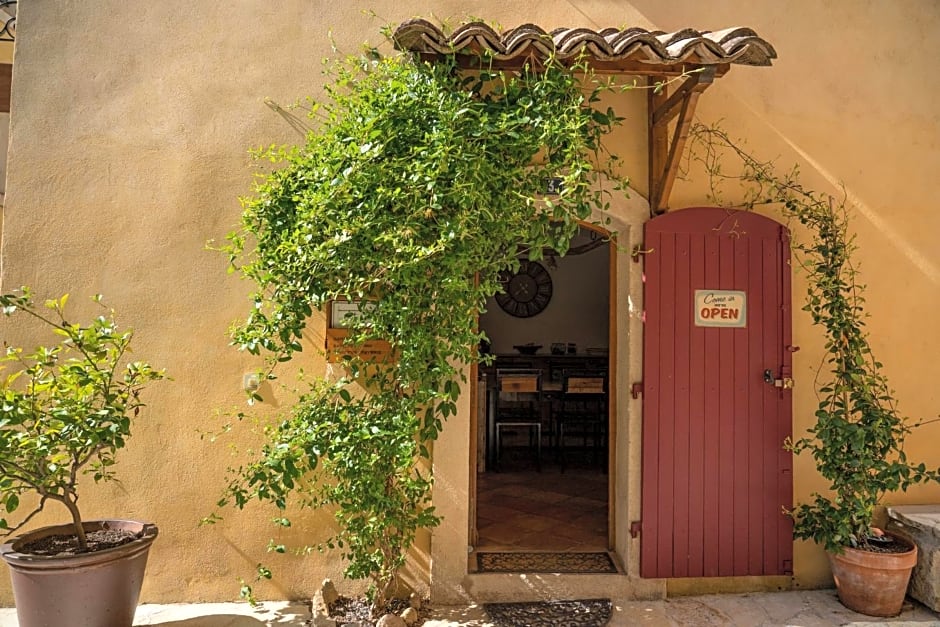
<point x="586" y="613"/>
<point x="599" y="562"/>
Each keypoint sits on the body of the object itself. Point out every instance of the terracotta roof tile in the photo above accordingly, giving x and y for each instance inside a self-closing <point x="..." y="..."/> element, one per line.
<point x="610" y="48"/>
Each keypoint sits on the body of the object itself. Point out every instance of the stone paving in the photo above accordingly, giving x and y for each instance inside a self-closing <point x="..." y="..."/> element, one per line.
<point x="814" y="608"/>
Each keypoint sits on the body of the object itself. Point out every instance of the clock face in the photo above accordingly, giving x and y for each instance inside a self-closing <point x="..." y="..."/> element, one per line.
<point x="526" y="292"/>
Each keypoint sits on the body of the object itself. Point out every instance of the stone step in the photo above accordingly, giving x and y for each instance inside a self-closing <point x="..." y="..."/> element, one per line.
<point x="922" y="524"/>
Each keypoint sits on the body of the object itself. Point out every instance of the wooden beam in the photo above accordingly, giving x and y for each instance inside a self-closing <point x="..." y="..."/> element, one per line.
<point x="663" y="167"/>
<point x="675" y="151"/>
<point x="658" y="139"/>
<point x="620" y="67"/>
<point x="670" y="108"/>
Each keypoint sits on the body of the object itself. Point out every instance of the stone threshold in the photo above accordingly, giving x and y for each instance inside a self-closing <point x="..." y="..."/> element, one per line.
<point x="519" y="587"/>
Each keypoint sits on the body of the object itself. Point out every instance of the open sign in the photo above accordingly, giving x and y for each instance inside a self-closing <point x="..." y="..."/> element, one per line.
<point x="720" y="308"/>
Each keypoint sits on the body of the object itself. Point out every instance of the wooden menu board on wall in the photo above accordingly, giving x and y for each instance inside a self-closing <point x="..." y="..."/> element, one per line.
<point x="336" y="334"/>
<point x="336" y="347"/>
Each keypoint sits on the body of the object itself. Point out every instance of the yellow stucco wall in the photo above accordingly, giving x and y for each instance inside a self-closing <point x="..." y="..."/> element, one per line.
<point x="129" y="147"/>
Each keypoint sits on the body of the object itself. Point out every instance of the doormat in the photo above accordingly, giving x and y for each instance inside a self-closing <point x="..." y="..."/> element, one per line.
<point x="587" y="613"/>
<point x="599" y="562"/>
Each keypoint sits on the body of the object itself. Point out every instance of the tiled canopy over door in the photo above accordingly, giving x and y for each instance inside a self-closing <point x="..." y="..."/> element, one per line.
<point x="716" y="398"/>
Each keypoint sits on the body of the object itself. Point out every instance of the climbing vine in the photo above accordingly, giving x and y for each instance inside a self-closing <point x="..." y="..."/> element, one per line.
<point x="417" y="186"/>
<point x="857" y="441"/>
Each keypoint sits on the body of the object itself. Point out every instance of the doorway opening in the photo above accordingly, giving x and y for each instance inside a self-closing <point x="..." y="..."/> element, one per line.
<point x="543" y="406"/>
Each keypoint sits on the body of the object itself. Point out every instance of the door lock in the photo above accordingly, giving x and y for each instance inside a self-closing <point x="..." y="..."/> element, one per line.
<point x="784" y="383"/>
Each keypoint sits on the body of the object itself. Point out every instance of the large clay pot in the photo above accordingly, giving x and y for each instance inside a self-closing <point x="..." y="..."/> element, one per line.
<point x="873" y="583"/>
<point x="97" y="589"/>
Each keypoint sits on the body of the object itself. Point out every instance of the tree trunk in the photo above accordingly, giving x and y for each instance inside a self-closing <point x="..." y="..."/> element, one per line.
<point x="71" y="504"/>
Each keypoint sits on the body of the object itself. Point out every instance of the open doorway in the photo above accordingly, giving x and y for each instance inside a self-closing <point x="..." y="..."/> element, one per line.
<point x="543" y="406"/>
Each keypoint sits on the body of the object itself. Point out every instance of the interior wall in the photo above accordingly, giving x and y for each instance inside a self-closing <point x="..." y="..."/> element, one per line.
<point x="577" y="312"/>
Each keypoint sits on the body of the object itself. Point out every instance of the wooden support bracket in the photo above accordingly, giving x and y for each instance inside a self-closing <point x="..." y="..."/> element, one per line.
<point x="664" y="156"/>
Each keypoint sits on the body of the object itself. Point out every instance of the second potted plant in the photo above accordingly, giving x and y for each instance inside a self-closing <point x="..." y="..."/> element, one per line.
<point x="857" y="441"/>
<point x="65" y="410"/>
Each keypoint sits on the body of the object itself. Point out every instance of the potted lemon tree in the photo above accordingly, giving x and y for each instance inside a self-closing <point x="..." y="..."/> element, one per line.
<point x="65" y="411"/>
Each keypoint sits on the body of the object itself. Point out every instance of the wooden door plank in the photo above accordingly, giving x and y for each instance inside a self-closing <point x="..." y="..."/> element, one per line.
<point x="682" y="311"/>
<point x="771" y="395"/>
<point x="756" y="364"/>
<point x="697" y="426"/>
<point x="742" y="435"/>
<point x="666" y="448"/>
<point x="651" y="358"/>
<point x="712" y="443"/>
<point x="725" y="477"/>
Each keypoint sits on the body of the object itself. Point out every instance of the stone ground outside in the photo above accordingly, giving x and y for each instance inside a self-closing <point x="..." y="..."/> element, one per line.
<point x="813" y="608"/>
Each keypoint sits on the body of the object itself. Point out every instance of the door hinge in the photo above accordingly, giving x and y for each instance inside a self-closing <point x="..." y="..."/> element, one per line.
<point x="635" y="527"/>
<point x="639" y="250"/>
<point x="636" y="390"/>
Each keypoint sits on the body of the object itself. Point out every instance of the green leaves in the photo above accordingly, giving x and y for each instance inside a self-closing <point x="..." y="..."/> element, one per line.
<point x="416" y="188"/>
<point x="412" y="185"/>
<point x="66" y="408"/>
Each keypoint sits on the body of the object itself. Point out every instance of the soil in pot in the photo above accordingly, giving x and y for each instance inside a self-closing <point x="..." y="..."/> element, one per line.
<point x="67" y="544"/>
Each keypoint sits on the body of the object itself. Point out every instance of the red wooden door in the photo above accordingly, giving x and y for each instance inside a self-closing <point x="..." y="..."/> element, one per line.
<point x="715" y="408"/>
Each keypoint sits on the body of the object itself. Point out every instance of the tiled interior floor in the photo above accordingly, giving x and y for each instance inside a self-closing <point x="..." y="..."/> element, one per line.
<point x="520" y="509"/>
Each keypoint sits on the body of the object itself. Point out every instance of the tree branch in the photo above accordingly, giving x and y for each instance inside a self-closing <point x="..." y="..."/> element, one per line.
<point x="9" y="532"/>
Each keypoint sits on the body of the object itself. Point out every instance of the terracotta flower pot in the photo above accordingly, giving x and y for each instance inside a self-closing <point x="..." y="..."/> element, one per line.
<point x="873" y="583"/>
<point x="98" y="589"/>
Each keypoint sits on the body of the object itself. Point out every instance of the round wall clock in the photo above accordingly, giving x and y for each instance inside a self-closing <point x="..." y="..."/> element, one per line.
<point x="527" y="292"/>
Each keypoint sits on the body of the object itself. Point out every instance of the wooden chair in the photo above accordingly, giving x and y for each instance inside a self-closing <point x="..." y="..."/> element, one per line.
<point x="518" y="407"/>
<point x="582" y="411"/>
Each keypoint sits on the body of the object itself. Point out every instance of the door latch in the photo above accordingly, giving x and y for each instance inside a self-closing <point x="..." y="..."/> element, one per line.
<point x="635" y="528"/>
<point x="784" y="383"/>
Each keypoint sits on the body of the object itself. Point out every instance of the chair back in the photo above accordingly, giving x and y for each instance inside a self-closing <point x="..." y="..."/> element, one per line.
<point x="518" y="393"/>
<point x="584" y="396"/>
<point x="518" y="380"/>
<point x="585" y="384"/>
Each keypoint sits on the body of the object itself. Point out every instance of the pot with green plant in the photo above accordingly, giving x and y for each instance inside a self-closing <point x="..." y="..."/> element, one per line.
<point x="858" y="438"/>
<point x="857" y="441"/>
<point x="65" y="411"/>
